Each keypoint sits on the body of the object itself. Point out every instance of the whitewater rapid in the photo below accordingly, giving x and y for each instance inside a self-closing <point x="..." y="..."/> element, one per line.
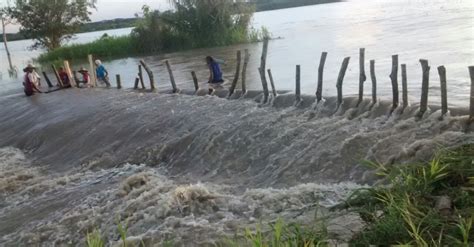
<point x="194" y="169"/>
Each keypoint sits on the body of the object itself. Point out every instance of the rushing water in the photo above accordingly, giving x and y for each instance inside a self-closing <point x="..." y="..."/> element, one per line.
<point x="194" y="169"/>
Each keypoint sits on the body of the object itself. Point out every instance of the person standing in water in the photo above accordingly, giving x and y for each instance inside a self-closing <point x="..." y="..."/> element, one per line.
<point x="102" y="73"/>
<point x="30" y="81"/>
<point x="64" y="77"/>
<point x="215" y="73"/>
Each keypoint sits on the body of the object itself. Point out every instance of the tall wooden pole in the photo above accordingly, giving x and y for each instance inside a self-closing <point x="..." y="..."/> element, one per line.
<point x="272" y="83"/>
<point x="263" y="78"/>
<point x="394" y="79"/>
<point x="140" y="76"/>
<point x="47" y="79"/>
<point x="471" y="110"/>
<point x="374" y="81"/>
<point x="424" y="87"/>
<point x="362" y="76"/>
<point x="237" y="73"/>
<point x="119" y="81"/>
<point x="69" y="74"/>
<point x="298" y="84"/>
<point x="404" y="86"/>
<point x="195" y="80"/>
<point x="340" y="80"/>
<point x="319" y="90"/>
<point x="444" y="90"/>
<point x="60" y="82"/>
<point x="244" y="70"/>
<point x="170" y="72"/>
<point x="93" y="81"/>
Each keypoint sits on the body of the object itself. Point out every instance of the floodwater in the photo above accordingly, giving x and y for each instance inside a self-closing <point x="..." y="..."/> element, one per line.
<point x="440" y="31"/>
<point x="195" y="170"/>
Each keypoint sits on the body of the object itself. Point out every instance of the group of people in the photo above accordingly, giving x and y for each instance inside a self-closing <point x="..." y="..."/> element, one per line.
<point x="32" y="80"/>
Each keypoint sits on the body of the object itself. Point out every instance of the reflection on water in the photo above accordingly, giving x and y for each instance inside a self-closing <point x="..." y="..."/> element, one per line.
<point x="440" y="31"/>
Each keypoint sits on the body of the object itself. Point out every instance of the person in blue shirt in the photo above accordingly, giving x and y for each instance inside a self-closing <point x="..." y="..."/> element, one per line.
<point x="102" y="73"/>
<point x="215" y="73"/>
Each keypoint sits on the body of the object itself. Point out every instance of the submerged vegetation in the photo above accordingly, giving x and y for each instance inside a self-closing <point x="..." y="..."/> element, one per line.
<point x="192" y="24"/>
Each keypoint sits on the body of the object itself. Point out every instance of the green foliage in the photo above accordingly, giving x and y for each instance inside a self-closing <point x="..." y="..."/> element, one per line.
<point x="109" y="46"/>
<point x="94" y="239"/>
<point x="122" y="229"/>
<point x="283" y="235"/>
<point x="50" y="23"/>
<point x="263" y="5"/>
<point x="405" y="212"/>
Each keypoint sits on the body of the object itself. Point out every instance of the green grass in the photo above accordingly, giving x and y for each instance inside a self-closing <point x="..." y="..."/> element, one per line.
<point x="121" y="46"/>
<point x="404" y="211"/>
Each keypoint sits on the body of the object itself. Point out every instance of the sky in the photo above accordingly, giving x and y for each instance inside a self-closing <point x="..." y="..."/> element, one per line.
<point x="111" y="9"/>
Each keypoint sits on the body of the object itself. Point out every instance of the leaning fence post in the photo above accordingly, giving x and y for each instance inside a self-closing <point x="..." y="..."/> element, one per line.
<point x="93" y="75"/>
<point x="362" y="76"/>
<point x="263" y="78"/>
<point x="298" y="84"/>
<point x="272" y="83"/>
<point x="424" y="87"/>
<point x="340" y="80"/>
<point x="60" y="82"/>
<point x="319" y="90"/>
<point x="237" y="74"/>
<point x="195" y="80"/>
<point x="394" y="79"/>
<point x="374" y="81"/>
<point x="471" y="110"/>
<point x="173" y="83"/>
<point x="150" y="74"/>
<point x="444" y="91"/>
<point x="244" y="70"/>
<point x="119" y="82"/>
<point x="72" y="81"/>
<point x="47" y="79"/>
<point x="404" y="86"/>
<point x="137" y="80"/>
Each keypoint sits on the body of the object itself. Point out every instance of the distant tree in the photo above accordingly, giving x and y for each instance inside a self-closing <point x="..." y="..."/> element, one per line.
<point x="6" y="20"/>
<point x="51" y="22"/>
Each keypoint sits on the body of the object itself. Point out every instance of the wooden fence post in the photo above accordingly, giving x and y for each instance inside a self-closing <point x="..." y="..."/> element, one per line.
<point x="137" y="80"/>
<point x="394" y="79"/>
<point x="424" y="87"/>
<point x="195" y="80"/>
<point x="319" y="90"/>
<point x="340" y="80"/>
<point x="47" y="79"/>
<point x="140" y="76"/>
<point x="60" y="82"/>
<point x="404" y="86"/>
<point x="72" y="81"/>
<point x="119" y="82"/>
<point x="244" y="70"/>
<point x="93" y="81"/>
<point x="444" y="90"/>
<point x="272" y="83"/>
<point x="150" y="74"/>
<point x="471" y="110"/>
<point x="263" y="78"/>
<point x="362" y="76"/>
<point x="173" y="82"/>
<point x="237" y="73"/>
<point x="374" y="81"/>
<point x="298" y="84"/>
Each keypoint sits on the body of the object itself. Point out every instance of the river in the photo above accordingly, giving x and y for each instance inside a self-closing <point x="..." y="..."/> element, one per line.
<point x="195" y="171"/>
<point x="440" y="31"/>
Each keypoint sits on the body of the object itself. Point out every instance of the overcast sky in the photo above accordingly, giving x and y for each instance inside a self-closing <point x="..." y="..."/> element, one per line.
<point x="111" y="9"/>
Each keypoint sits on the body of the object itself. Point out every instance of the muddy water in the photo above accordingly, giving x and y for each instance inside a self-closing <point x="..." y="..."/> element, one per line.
<point x="193" y="169"/>
<point x="440" y="31"/>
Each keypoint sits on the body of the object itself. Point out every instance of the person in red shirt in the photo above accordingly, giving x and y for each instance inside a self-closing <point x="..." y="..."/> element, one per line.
<point x="85" y="76"/>
<point x="64" y="77"/>
<point x="29" y="81"/>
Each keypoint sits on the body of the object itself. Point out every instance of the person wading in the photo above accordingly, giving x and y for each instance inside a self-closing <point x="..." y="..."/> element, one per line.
<point x="30" y="81"/>
<point x="215" y="73"/>
<point x="102" y="73"/>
